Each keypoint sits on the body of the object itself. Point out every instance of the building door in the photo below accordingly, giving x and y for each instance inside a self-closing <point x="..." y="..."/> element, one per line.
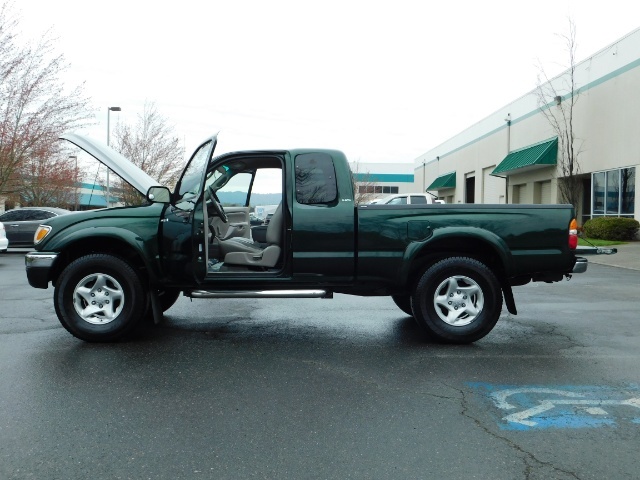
<point x="469" y="189"/>
<point x="542" y="193"/>
<point x="492" y="187"/>
<point x="518" y="193"/>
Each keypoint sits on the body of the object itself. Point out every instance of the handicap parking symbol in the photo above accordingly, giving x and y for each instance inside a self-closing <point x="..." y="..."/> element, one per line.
<point x="569" y="406"/>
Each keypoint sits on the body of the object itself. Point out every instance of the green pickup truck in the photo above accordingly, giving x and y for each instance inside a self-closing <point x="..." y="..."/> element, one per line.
<point x="449" y="266"/>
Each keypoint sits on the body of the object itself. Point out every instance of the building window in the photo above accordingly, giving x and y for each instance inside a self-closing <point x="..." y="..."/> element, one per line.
<point x="613" y="193"/>
<point x="376" y="189"/>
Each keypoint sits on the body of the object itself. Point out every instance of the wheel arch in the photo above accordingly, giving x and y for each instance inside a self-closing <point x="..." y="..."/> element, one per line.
<point x="120" y="243"/>
<point x="481" y="245"/>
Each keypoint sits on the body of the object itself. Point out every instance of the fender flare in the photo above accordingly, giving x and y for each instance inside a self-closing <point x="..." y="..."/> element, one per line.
<point x="446" y="234"/>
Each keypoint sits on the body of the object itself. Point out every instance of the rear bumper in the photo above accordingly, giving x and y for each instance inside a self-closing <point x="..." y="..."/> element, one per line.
<point x="38" y="266"/>
<point x="580" y="265"/>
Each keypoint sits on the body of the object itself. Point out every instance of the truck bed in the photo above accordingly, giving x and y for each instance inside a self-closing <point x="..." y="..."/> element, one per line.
<point x="522" y="240"/>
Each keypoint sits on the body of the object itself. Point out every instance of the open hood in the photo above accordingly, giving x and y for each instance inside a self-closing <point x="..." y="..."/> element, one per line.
<point x="130" y="173"/>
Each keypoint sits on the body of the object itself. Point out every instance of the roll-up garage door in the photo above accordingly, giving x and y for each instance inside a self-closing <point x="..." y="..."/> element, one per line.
<point x="519" y="193"/>
<point x="492" y="188"/>
<point x="545" y="193"/>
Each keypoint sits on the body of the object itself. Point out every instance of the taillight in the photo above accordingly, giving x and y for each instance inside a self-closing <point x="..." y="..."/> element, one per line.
<point x="573" y="234"/>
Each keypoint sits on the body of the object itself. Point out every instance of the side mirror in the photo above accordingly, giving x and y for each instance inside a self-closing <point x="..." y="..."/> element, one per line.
<point x="159" y="195"/>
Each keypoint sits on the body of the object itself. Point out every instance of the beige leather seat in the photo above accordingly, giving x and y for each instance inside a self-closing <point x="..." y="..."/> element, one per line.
<point x="243" y="251"/>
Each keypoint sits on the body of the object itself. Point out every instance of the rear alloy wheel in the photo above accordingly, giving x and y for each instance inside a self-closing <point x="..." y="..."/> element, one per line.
<point x="99" y="298"/>
<point x="458" y="300"/>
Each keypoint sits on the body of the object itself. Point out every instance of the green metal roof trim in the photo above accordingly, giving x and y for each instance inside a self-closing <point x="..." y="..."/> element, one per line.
<point x="541" y="154"/>
<point x="448" y="180"/>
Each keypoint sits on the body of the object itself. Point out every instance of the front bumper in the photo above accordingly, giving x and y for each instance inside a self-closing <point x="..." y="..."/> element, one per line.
<point x="38" y="266"/>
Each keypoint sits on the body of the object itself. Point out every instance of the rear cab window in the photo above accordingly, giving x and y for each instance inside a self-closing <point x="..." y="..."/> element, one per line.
<point x="418" y="199"/>
<point x="315" y="179"/>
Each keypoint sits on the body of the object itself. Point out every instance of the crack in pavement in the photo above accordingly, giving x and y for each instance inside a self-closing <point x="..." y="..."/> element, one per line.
<point x="529" y="457"/>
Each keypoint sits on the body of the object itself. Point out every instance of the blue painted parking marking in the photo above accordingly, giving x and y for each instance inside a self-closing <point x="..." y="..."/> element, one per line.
<point x="529" y="407"/>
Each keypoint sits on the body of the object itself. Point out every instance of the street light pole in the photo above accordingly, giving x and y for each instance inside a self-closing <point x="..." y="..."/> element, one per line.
<point x="75" y="184"/>
<point x="109" y="110"/>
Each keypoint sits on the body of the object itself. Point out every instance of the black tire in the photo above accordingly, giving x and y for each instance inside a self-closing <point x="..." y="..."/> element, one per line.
<point x="114" y="286"/>
<point x="168" y="297"/>
<point x="458" y="300"/>
<point x="404" y="303"/>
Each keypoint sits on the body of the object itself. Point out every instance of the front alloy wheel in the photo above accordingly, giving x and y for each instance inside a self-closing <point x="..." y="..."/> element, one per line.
<point x="100" y="298"/>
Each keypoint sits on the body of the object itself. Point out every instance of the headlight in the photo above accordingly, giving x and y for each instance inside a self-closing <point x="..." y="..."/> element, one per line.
<point x="41" y="233"/>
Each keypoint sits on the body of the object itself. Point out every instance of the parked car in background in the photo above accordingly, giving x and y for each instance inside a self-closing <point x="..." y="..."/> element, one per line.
<point x="407" y="199"/>
<point x="4" y="242"/>
<point x="21" y="223"/>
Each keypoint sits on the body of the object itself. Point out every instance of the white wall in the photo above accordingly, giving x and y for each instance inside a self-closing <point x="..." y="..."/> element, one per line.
<point x="606" y="119"/>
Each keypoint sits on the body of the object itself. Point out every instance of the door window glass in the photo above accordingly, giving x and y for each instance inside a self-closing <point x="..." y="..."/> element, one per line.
<point x="14" y="216"/>
<point x="628" y="190"/>
<point x="191" y="181"/>
<point x="598" y="192"/>
<point x="613" y="192"/>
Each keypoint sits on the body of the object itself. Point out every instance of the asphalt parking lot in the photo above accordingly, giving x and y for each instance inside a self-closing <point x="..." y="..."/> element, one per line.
<point x="342" y="388"/>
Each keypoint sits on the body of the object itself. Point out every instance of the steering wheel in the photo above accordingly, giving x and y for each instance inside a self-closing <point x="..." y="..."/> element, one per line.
<point x="215" y="203"/>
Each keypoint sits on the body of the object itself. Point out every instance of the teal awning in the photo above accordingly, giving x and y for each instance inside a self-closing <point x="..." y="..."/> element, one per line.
<point x="95" y="200"/>
<point x="543" y="154"/>
<point x="448" y="180"/>
<point x="384" y="177"/>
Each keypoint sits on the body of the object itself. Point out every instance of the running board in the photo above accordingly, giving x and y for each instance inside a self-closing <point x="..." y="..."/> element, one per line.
<point x="259" y="294"/>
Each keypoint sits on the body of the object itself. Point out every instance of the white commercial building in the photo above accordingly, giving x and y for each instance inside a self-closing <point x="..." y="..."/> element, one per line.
<point x="515" y="156"/>
<point x="381" y="179"/>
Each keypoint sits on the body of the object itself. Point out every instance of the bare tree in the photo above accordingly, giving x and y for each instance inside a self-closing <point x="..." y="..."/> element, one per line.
<point x="45" y="180"/>
<point x="151" y="145"/>
<point x="35" y="108"/>
<point x="557" y="99"/>
<point x="364" y="188"/>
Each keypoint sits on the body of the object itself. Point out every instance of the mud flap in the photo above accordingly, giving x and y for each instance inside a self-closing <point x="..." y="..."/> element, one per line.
<point x="156" y="309"/>
<point x="508" y="299"/>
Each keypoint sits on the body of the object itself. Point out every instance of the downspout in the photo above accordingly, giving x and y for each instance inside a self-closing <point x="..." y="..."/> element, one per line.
<point x="506" y="177"/>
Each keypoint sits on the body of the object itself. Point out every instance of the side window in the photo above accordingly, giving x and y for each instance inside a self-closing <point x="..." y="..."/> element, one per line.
<point x="41" y="215"/>
<point x="315" y="179"/>
<point x="398" y="201"/>
<point x="235" y="192"/>
<point x="189" y="187"/>
<point x="418" y="199"/>
<point x="14" y="216"/>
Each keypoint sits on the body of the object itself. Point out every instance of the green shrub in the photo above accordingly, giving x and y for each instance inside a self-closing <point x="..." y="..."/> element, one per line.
<point x="611" y="228"/>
